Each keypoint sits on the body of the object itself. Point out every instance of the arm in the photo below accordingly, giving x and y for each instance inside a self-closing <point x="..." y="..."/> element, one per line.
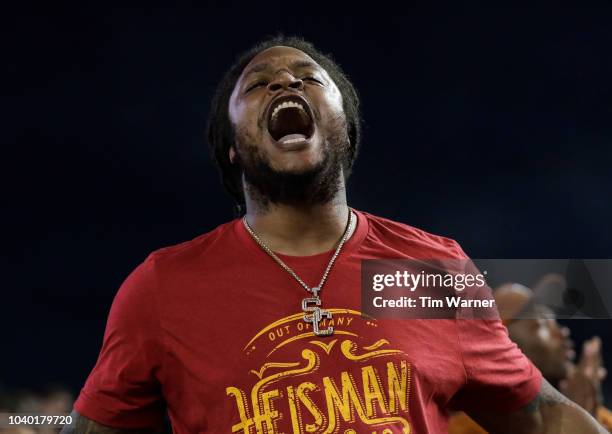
<point x="549" y="413"/>
<point x="82" y="425"/>
<point x="124" y="388"/>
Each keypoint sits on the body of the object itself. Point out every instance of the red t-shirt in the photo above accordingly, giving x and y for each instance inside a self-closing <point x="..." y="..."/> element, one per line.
<point x="212" y="330"/>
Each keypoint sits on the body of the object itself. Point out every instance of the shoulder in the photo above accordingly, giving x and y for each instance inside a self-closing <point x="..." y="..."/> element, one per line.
<point x="170" y="269"/>
<point x="411" y="240"/>
<point x="196" y="252"/>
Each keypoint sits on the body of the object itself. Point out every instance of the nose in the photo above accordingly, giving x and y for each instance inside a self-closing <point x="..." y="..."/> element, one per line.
<point x="565" y="332"/>
<point x="283" y="81"/>
<point x="566" y="336"/>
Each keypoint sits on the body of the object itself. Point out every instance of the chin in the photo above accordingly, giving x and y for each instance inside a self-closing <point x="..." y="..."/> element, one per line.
<point x="297" y="167"/>
<point x="555" y="374"/>
<point x="298" y="162"/>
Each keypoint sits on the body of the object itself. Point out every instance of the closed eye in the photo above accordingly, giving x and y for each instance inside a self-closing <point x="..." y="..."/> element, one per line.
<point x="257" y="84"/>
<point x="311" y="79"/>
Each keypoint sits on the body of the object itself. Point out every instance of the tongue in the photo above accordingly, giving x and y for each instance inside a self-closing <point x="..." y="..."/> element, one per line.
<point x="292" y="137"/>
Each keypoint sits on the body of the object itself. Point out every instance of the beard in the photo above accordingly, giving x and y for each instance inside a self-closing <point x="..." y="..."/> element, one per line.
<point x="313" y="186"/>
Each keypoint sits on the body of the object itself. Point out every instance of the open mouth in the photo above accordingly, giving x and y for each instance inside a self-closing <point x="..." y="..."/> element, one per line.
<point x="290" y="120"/>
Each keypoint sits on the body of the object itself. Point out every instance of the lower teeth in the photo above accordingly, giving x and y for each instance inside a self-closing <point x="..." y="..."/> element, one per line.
<point x="293" y="140"/>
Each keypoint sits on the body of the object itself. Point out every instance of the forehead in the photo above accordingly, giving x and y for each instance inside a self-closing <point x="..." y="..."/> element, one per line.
<point x="278" y="56"/>
<point x="544" y="312"/>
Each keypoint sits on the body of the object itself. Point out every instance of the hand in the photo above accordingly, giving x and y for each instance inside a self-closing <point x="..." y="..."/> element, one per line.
<point x="583" y="382"/>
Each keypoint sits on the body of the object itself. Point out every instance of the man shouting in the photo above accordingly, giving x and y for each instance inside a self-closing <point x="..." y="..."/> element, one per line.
<point x="256" y="326"/>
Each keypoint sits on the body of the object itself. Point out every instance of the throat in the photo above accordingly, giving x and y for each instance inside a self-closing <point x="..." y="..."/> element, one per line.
<point x="302" y="247"/>
<point x="305" y="235"/>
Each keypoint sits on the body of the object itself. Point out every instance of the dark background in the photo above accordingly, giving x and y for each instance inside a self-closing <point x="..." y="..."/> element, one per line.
<point x="490" y="126"/>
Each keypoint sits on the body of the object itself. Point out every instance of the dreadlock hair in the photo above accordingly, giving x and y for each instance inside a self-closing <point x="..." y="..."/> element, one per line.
<point x="220" y="131"/>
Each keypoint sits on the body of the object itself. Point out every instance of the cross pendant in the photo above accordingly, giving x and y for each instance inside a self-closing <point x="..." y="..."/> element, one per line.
<point x="314" y="314"/>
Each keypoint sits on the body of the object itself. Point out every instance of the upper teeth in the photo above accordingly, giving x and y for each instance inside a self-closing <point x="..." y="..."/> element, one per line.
<point x="286" y="104"/>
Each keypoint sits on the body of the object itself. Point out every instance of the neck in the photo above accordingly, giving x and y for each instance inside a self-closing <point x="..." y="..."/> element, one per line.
<point x="299" y="230"/>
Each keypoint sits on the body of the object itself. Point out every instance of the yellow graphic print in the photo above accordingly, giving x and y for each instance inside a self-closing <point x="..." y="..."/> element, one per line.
<point x="335" y="384"/>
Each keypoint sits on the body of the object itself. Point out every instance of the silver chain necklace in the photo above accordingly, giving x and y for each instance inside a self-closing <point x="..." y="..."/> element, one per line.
<point x="311" y="305"/>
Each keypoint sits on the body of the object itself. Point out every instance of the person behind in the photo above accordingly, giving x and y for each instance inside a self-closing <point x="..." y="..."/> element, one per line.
<point x="50" y="400"/>
<point x="255" y="326"/>
<point x="533" y="327"/>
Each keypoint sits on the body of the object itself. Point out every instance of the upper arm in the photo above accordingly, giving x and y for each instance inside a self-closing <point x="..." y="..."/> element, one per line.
<point x="124" y="388"/>
<point x="498" y="376"/>
<point x="549" y="412"/>
<point x="82" y="425"/>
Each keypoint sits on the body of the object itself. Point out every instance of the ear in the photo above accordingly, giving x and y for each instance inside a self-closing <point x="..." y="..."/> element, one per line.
<point x="232" y="154"/>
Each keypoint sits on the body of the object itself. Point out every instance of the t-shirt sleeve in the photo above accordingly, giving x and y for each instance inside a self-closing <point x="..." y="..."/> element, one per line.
<point x="498" y="376"/>
<point x="124" y="388"/>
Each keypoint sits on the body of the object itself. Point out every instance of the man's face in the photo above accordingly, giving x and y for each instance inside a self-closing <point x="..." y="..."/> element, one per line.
<point x="545" y="342"/>
<point x="288" y="119"/>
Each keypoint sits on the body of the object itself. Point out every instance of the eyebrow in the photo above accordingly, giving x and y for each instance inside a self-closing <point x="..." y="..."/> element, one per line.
<point x="264" y="66"/>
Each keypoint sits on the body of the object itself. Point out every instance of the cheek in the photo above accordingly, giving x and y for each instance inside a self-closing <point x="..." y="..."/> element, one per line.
<point x="335" y="101"/>
<point x="245" y="138"/>
<point x="244" y="120"/>
<point x="330" y="102"/>
<point x="242" y="112"/>
<point x="548" y="339"/>
<point x="238" y="114"/>
<point x="544" y="334"/>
